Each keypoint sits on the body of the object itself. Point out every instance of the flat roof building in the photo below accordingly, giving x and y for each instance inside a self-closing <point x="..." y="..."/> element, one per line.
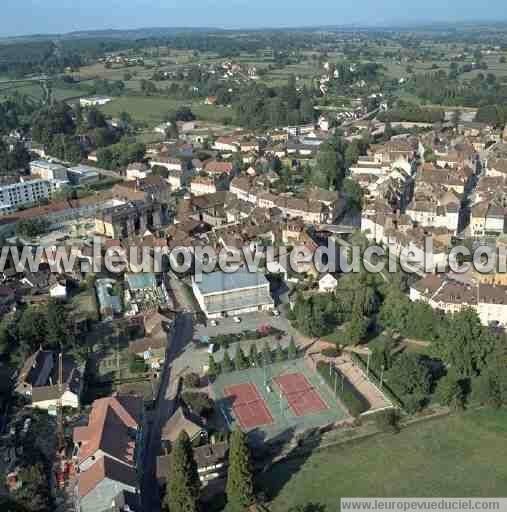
<point x="229" y="294"/>
<point x="82" y="174"/>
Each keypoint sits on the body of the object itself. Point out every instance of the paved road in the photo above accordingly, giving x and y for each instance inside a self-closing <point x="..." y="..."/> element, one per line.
<point x="164" y="408"/>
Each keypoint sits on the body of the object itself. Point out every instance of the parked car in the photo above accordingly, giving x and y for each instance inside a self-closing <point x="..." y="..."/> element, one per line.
<point x="237" y="319"/>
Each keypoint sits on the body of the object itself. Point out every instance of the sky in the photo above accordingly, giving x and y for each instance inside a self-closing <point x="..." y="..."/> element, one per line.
<point x="19" y="17"/>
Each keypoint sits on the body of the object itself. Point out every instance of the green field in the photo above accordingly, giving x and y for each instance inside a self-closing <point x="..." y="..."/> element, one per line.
<point x="35" y="91"/>
<point x="152" y="109"/>
<point x="460" y="455"/>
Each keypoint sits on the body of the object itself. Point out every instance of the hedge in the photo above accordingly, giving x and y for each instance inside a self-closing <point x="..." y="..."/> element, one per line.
<point x="353" y="400"/>
<point x="376" y="380"/>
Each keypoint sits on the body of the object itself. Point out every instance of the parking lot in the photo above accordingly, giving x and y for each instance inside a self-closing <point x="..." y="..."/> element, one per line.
<point x="249" y="322"/>
<point x="195" y="357"/>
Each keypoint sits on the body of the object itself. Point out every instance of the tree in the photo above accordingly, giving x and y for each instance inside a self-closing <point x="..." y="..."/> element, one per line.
<point x="352" y="154"/>
<point x="240" y="484"/>
<point x="136" y="364"/>
<point x="354" y="194"/>
<point x="213" y="369"/>
<point x="56" y="325"/>
<point x="357" y="328"/>
<point x="464" y="343"/>
<point x="266" y="355"/>
<point x="240" y="362"/>
<point x="35" y="494"/>
<point x="199" y="403"/>
<point x="279" y="354"/>
<point x="292" y="351"/>
<point x="326" y="169"/>
<point x="183" y="479"/>
<point x="192" y="380"/>
<point x="450" y="391"/>
<point x="253" y="355"/>
<point x="410" y="379"/>
<point x="32" y="227"/>
<point x="32" y="329"/>
<point x="227" y="365"/>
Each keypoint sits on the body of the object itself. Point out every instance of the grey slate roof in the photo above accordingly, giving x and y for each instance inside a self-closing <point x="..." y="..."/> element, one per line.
<point x="217" y="282"/>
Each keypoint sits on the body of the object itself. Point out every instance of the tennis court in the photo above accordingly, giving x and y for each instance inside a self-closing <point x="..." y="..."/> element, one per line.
<point x="249" y="397"/>
<point x="302" y="397"/>
<point x="248" y="405"/>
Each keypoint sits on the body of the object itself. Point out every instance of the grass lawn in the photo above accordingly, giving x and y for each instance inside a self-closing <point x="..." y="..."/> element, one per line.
<point x="462" y="455"/>
<point x="35" y="91"/>
<point x="152" y="109"/>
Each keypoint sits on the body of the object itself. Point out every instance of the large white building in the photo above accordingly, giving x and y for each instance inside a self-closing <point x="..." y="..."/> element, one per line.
<point x="27" y="192"/>
<point x="223" y="294"/>
<point x="442" y="293"/>
<point x="48" y="170"/>
<point x="94" y="101"/>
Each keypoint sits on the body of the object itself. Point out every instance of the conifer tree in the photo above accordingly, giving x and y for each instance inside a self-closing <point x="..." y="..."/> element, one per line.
<point x="266" y="355"/>
<point x="213" y="369"/>
<point x="183" y="479"/>
<point x="292" y="351"/>
<point x="240" y="485"/>
<point x="279" y="353"/>
<point x="227" y="365"/>
<point x="253" y="355"/>
<point x="239" y="358"/>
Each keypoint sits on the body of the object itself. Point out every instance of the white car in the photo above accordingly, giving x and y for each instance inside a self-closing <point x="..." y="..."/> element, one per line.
<point x="214" y="323"/>
<point x="276" y="312"/>
<point x="237" y="319"/>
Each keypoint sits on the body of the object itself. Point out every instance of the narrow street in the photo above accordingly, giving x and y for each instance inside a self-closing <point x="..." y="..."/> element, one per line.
<point x="164" y="408"/>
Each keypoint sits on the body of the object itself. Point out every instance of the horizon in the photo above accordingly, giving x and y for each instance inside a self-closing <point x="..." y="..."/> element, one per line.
<point x="57" y="17"/>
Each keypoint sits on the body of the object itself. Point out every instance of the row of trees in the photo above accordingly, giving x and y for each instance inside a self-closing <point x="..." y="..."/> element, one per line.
<point x="183" y="490"/>
<point x="437" y="87"/>
<point x="120" y="155"/>
<point x="410" y="112"/>
<point x="257" y="106"/>
<point x="255" y="358"/>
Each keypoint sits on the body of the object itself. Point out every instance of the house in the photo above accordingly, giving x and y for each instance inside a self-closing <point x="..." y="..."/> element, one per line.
<point x="211" y="100"/>
<point x="328" y="284"/>
<point x="226" y="145"/>
<point x="249" y="146"/>
<point x="202" y="185"/>
<point x="58" y="291"/>
<point x="137" y="171"/>
<point x="108" y="451"/>
<point x="489" y="300"/>
<point x="216" y="168"/>
<point x="487" y="219"/>
<point x="496" y="167"/>
<point x="38" y="381"/>
<point x="152" y="348"/>
<point x="182" y="419"/>
<point x="169" y="163"/>
<point x="230" y="294"/>
<point x="393" y="151"/>
<point x="211" y="460"/>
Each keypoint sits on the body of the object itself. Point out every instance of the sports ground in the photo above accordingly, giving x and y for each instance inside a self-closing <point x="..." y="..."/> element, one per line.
<point x="282" y="397"/>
